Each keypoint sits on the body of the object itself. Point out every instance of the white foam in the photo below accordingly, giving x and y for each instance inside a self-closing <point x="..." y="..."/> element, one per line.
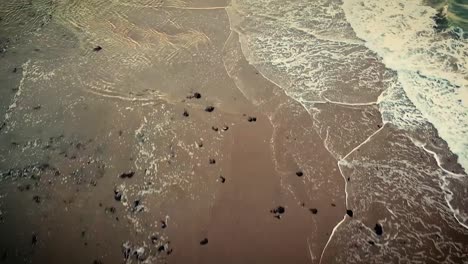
<point x="431" y="67"/>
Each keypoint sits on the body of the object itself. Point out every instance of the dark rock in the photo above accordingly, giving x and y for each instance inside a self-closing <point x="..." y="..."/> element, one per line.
<point x="333" y="205"/>
<point x="200" y="144"/>
<point x="379" y="126"/>
<point x="371" y="242"/>
<point x="225" y="128"/>
<point x="252" y="119"/>
<point x="378" y="229"/>
<point x="204" y="241"/>
<point x="137" y="206"/>
<point x="212" y="161"/>
<point x="37" y="199"/>
<point x="278" y="210"/>
<point x="209" y="109"/>
<point x="161" y="248"/>
<point x="37" y="107"/>
<point x="299" y="174"/>
<point x="186" y="114"/>
<point x="128" y="174"/>
<point x="96" y="261"/>
<point x="222" y="179"/>
<point x="15" y="69"/>
<point x="214" y="128"/>
<point x="195" y="95"/>
<point x="127" y="250"/>
<point x="34" y="239"/>
<point x="97" y="48"/>
<point x="313" y="210"/>
<point x="163" y="224"/>
<point x="154" y="239"/>
<point x="169" y="251"/>
<point x="349" y="212"/>
<point x="118" y="195"/>
<point x="111" y="209"/>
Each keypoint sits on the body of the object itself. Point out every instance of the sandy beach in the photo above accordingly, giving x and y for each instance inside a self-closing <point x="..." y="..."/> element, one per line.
<point x="140" y="132"/>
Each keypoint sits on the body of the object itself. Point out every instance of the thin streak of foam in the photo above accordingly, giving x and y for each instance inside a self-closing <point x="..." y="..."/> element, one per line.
<point x="310" y="251"/>
<point x="14" y="103"/>
<point x="364" y="142"/>
<point x="341" y="161"/>
<point x="444" y="179"/>
<point x="329" y="239"/>
<point x="350" y="104"/>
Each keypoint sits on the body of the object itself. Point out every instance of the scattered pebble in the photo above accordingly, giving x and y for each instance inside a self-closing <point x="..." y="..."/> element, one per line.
<point x="209" y="109"/>
<point x="349" y="212"/>
<point x="154" y="239"/>
<point x="195" y="95"/>
<point x="313" y="210"/>
<point x="34" y="239"/>
<point x="204" y="241"/>
<point x="37" y="199"/>
<point x="278" y="211"/>
<point x="137" y="207"/>
<point x="128" y="174"/>
<point x="97" y="48"/>
<point x="299" y="174"/>
<point x="378" y="229"/>
<point x="252" y="119"/>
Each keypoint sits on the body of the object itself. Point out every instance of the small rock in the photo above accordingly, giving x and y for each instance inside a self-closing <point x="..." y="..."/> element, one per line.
<point x="349" y="212"/>
<point x="333" y="205"/>
<point x="163" y="224"/>
<point x="378" y="229"/>
<point x="97" y="48"/>
<point x="128" y="174"/>
<point x="214" y="128"/>
<point x="371" y="242"/>
<point x="222" y="179"/>
<point x="209" y="109"/>
<point x="299" y="174"/>
<point x="278" y="210"/>
<point x="313" y="210"/>
<point x="15" y="69"/>
<point x="186" y="114"/>
<point x="37" y="107"/>
<point x="127" y="250"/>
<point x="225" y="128"/>
<point x="37" y="199"/>
<point x="154" y="239"/>
<point x="117" y="195"/>
<point x="212" y="161"/>
<point x="200" y="144"/>
<point x="195" y="95"/>
<point x="204" y="241"/>
<point x="34" y="239"/>
<point x="252" y="119"/>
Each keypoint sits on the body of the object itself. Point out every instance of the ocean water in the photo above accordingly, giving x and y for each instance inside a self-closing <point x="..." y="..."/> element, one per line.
<point x="431" y="67"/>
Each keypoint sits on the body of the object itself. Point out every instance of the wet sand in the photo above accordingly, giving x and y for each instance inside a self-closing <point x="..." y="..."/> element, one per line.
<point x="109" y="156"/>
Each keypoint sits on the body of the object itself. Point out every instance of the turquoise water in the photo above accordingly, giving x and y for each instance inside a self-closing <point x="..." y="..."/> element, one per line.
<point x="456" y="11"/>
